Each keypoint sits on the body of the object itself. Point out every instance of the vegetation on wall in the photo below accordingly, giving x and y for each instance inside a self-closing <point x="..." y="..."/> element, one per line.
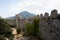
<point x="32" y="29"/>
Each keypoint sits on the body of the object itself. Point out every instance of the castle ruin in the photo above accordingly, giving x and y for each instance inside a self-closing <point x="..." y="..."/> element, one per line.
<point x="49" y="25"/>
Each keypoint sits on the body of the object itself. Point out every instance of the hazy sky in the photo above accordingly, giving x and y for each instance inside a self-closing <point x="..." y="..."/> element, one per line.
<point x="12" y="7"/>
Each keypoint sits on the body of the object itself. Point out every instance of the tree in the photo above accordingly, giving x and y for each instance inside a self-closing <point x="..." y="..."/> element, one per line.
<point x="33" y="28"/>
<point x="36" y="25"/>
<point x="5" y="30"/>
<point x="29" y="29"/>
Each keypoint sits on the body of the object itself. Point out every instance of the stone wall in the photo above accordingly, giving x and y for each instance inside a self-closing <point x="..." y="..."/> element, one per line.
<point x="50" y="26"/>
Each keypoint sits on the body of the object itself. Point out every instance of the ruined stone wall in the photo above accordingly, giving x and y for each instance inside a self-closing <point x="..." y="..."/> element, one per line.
<point x="50" y="26"/>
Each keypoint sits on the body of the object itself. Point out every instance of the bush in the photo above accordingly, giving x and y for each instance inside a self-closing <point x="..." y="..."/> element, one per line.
<point x="29" y="29"/>
<point x="5" y="30"/>
<point x="18" y="30"/>
<point x="33" y="29"/>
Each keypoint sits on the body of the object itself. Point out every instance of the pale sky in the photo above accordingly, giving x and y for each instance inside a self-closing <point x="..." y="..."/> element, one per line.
<point x="13" y="7"/>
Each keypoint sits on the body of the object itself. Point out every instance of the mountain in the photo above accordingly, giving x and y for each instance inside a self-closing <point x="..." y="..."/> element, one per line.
<point x="23" y="14"/>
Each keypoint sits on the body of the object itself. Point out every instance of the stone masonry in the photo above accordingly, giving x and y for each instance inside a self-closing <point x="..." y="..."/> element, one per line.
<point x="50" y="26"/>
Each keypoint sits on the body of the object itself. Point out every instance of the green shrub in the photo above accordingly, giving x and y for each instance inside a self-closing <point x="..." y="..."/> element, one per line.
<point x="18" y="30"/>
<point x="5" y="30"/>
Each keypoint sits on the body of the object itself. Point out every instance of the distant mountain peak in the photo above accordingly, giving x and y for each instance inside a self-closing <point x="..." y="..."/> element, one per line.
<point x="24" y="14"/>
